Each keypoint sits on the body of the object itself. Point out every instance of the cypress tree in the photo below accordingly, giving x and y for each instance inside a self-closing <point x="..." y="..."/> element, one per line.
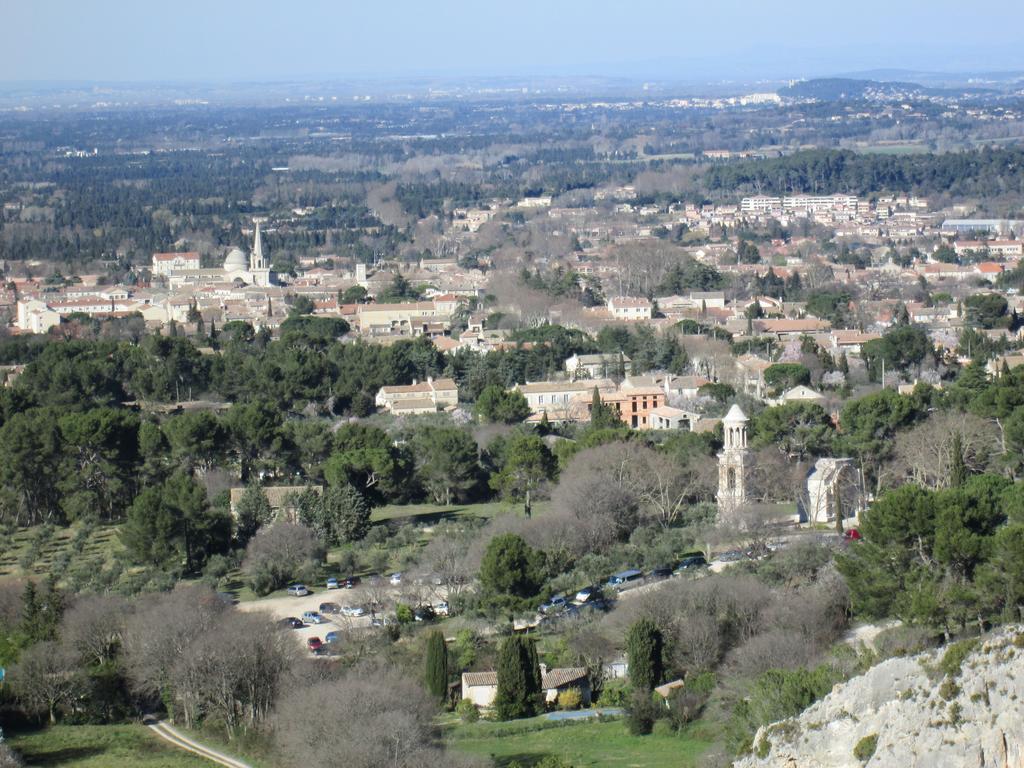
<point x="436" y="666"/>
<point x="644" y="649"/>
<point x="518" y="679"/>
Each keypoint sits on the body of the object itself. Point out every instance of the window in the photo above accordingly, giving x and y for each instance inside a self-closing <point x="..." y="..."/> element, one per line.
<point x="540" y="400"/>
<point x="730" y="479"/>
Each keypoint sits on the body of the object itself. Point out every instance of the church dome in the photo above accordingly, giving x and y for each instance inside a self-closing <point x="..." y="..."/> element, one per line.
<point x="236" y="261"/>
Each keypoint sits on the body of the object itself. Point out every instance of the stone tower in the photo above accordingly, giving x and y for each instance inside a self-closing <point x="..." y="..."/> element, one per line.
<point x="259" y="269"/>
<point x="733" y="462"/>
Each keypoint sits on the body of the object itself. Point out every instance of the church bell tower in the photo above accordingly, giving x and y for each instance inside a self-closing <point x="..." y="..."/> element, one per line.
<point x="734" y="462"/>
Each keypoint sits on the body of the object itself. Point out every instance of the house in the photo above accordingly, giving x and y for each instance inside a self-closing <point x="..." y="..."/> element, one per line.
<point x="596" y="366"/>
<point x="994" y="367"/>
<point x="850" y="342"/>
<point x="634" y="405"/>
<point x="166" y="263"/>
<point x="750" y="373"/>
<point x="481" y="688"/>
<point x="630" y="308"/>
<point x="419" y="397"/>
<point x="553" y="397"/>
<point x="667" y="417"/>
<point x="665" y="690"/>
<point x="802" y="394"/>
<point x="280" y="498"/>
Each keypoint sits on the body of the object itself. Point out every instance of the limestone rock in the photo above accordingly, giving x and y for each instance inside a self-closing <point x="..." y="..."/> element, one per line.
<point x="921" y="717"/>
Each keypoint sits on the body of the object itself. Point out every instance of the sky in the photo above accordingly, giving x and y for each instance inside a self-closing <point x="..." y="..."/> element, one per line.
<point x="258" y="40"/>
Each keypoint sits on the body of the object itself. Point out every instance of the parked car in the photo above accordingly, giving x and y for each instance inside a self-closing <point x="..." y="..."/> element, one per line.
<point x="691" y="562"/>
<point x="312" y="617"/>
<point x="298" y="590"/>
<point x="350" y="582"/>
<point x="315" y="644"/>
<point x="380" y="620"/>
<point x="556" y="603"/>
<point x="423" y="613"/>
<point x="332" y="637"/>
<point x="661" y="572"/>
<point x="353" y="611"/>
<point x="291" y="623"/>
<point x="624" y="579"/>
<point x="330" y="608"/>
<point x="442" y="608"/>
<point x="396" y="579"/>
<point x="332" y="583"/>
<point x="851" y="534"/>
<point x="587" y="594"/>
<point x="732" y="556"/>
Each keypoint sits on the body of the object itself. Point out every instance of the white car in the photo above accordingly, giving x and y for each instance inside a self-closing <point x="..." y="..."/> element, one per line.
<point x="353" y="611"/>
<point x="396" y="579"/>
<point x="298" y="590"/>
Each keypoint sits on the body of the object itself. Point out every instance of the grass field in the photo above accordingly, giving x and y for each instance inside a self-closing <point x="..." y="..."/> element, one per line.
<point x="100" y="746"/>
<point x="587" y="744"/>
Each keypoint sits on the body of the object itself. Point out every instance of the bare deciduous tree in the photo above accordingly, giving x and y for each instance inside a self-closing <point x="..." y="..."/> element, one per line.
<point x="94" y="627"/>
<point x="161" y="632"/>
<point x="44" y="679"/>
<point x="371" y="717"/>
<point x="924" y="454"/>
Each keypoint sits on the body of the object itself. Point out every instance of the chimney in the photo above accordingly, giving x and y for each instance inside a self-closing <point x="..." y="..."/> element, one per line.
<point x="668" y="383"/>
<point x="543" y="670"/>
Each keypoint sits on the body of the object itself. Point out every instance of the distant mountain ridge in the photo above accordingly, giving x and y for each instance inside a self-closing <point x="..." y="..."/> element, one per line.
<point x="851" y="89"/>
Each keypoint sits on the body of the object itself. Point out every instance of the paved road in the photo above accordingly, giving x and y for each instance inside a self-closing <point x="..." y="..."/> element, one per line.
<point x="172" y="735"/>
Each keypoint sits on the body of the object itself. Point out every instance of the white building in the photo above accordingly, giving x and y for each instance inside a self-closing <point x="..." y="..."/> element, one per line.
<point x="630" y="308"/>
<point x="166" y="263"/>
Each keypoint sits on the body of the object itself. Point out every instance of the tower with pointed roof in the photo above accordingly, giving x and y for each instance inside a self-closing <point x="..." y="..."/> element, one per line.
<point x="259" y="270"/>
<point x="734" y="461"/>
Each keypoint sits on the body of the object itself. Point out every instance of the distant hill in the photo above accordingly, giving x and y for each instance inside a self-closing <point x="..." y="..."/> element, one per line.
<point x="850" y="89"/>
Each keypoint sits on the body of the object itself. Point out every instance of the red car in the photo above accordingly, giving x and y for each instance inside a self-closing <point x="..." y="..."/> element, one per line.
<point x="851" y="534"/>
<point x="315" y="644"/>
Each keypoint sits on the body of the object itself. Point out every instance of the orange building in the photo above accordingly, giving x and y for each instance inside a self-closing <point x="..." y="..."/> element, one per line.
<point x="634" y="405"/>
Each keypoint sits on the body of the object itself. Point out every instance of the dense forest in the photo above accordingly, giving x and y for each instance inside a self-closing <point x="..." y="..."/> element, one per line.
<point x="978" y="173"/>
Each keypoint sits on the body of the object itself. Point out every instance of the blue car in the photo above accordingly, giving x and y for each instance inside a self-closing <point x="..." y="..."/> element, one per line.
<point x="332" y="637"/>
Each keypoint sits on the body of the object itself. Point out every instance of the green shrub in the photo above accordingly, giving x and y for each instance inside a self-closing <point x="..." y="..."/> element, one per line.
<point x="953" y="658"/>
<point x="662" y="728"/>
<point x="764" y="746"/>
<point x="641" y="713"/>
<point x="614" y="693"/>
<point x="467" y="711"/>
<point x="904" y="640"/>
<point x="403" y="613"/>
<point x="865" y="748"/>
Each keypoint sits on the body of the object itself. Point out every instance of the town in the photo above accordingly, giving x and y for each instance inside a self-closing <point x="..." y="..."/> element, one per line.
<point x="510" y="422"/>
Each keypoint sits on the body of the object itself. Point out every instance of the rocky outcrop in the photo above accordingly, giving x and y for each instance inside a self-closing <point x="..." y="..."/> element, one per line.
<point x="912" y="713"/>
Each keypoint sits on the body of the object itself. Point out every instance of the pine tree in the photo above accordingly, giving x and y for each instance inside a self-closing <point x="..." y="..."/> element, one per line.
<point x="436" y="666"/>
<point x="252" y="512"/>
<point x="644" y="644"/>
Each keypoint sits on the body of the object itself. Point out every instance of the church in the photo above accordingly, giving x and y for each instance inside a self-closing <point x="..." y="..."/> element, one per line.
<point x="252" y="269"/>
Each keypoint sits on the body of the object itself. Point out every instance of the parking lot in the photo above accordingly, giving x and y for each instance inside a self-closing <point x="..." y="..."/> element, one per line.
<point x="363" y="594"/>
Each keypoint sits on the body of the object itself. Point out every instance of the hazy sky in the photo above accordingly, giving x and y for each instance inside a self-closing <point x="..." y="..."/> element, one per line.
<point x="259" y="39"/>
